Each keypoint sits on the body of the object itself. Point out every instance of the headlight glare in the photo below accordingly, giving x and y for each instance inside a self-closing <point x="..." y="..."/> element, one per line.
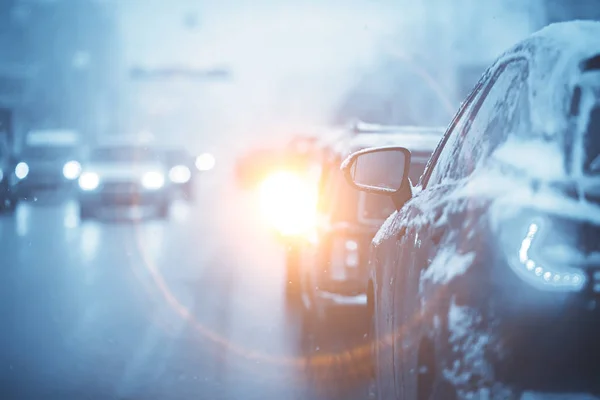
<point x="205" y="162"/>
<point x="22" y="170"/>
<point x="180" y="174"/>
<point x="153" y="180"/>
<point x="89" y="181"/>
<point x="72" y="170"/>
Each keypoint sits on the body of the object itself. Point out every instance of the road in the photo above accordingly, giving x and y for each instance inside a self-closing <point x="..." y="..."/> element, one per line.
<point x="190" y="308"/>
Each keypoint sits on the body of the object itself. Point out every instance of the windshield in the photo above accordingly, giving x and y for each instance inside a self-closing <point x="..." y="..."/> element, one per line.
<point x="125" y="154"/>
<point x="47" y="153"/>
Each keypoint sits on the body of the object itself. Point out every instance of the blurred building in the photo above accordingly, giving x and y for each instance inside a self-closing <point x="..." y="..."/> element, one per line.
<point x="59" y="63"/>
<point x="565" y="10"/>
<point x="439" y="52"/>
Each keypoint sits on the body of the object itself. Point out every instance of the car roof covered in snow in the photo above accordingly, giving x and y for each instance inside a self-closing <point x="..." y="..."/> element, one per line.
<point x="555" y="55"/>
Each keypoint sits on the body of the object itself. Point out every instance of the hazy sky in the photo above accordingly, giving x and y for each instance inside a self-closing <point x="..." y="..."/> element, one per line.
<point x="291" y="60"/>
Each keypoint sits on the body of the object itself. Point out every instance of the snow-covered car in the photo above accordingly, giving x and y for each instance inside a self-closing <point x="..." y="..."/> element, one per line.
<point x="49" y="159"/>
<point x="128" y="174"/>
<point x="486" y="279"/>
<point x="182" y="172"/>
<point x="333" y="264"/>
<point x="8" y="180"/>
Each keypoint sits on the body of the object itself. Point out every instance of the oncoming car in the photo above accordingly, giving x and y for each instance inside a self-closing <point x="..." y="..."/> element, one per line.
<point x="49" y="159"/>
<point x="131" y="175"/>
<point x="485" y="282"/>
<point x="333" y="264"/>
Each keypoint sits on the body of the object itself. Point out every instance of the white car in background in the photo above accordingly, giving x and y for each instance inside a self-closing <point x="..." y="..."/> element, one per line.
<point x="124" y="175"/>
<point x="49" y="159"/>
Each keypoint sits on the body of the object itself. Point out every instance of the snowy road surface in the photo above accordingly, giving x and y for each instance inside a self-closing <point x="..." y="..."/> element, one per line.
<point x="192" y="308"/>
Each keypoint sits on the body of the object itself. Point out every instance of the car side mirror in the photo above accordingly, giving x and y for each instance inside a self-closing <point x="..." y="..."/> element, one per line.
<point x="380" y="170"/>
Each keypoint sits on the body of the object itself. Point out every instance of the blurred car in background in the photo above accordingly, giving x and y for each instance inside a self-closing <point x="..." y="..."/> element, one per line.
<point x="332" y="264"/>
<point x="182" y="172"/>
<point x="124" y="174"/>
<point x="8" y="180"/>
<point x="49" y="159"/>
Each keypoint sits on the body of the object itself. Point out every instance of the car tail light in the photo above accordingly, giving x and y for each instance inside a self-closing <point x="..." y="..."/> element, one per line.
<point x="344" y="260"/>
<point x="548" y="253"/>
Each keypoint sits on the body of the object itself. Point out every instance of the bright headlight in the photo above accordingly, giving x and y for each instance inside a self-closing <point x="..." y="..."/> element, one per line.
<point x="89" y="181"/>
<point x="72" y="170"/>
<point x="205" y="162"/>
<point x="180" y="174"/>
<point x="22" y="170"/>
<point x="541" y="261"/>
<point x="288" y="202"/>
<point x="153" y="180"/>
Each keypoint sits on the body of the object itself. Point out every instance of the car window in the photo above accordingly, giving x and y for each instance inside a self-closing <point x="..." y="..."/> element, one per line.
<point x="485" y="124"/>
<point x="496" y="118"/>
<point x="125" y="154"/>
<point x="445" y="157"/>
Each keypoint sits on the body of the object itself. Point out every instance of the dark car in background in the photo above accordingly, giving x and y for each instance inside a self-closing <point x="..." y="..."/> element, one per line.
<point x="126" y="174"/>
<point x="485" y="283"/>
<point x="48" y="160"/>
<point x="332" y="266"/>
<point x="8" y="180"/>
<point x="182" y="172"/>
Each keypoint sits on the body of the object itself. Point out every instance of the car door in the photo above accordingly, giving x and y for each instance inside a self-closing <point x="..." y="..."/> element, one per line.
<point x="407" y="238"/>
<point x="437" y="232"/>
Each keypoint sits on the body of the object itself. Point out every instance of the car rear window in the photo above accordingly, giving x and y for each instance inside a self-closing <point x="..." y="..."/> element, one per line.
<point x="125" y="154"/>
<point x="47" y="152"/>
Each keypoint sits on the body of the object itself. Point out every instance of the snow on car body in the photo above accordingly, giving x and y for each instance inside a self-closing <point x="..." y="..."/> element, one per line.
<point x="124" y="173"/>
<point x="485" y="281"/>
<point x="333" y="267"/>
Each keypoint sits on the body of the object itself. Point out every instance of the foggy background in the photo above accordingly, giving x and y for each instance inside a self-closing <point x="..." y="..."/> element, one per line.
<point x="282" y="66"/>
